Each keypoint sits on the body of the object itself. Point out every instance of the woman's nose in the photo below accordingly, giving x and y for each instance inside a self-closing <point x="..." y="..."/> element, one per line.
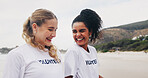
<point x="78" y="34"/>
<point x="54" y="34"/>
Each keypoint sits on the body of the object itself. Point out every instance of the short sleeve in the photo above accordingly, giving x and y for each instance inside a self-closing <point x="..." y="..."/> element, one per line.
<point x="13" y="66"/>
<point x="70" y="63"/>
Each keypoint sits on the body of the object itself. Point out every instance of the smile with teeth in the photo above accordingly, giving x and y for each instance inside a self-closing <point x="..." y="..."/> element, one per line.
<point x="79" y="39"/>
<point x="48" y="39"/>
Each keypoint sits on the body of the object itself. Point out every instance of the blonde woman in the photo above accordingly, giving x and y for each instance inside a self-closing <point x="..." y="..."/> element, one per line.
<point x="38" y="58"/>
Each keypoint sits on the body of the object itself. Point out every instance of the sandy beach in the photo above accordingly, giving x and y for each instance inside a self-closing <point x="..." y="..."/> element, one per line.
<point x="115" y="65"/>
<point x="124" y="65"/>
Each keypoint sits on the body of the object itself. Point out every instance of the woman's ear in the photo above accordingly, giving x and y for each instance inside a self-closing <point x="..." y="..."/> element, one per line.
<point x="34" y="28"/>
<point x="90" y="33"/>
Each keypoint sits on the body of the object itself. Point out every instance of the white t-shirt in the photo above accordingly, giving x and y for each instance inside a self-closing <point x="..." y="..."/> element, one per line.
<point x="81" y="64"/>
<point x="29" y="62"/>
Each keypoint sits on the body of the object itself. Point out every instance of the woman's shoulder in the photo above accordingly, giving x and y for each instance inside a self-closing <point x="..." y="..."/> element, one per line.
<point x="73" y="47"/>
<point x="20" y="50"/>
<point x="58" y="53"/>
<point x="91" y="47"/>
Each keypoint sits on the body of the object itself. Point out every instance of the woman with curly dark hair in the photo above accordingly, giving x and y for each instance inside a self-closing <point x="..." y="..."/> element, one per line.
<point x="81" y="59"/>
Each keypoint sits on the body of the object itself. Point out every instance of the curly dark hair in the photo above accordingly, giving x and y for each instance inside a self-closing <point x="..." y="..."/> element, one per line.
<point x="91" y="20"/>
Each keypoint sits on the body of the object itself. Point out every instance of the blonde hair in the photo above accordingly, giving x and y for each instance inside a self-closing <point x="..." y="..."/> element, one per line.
<point x="39" y="17"/>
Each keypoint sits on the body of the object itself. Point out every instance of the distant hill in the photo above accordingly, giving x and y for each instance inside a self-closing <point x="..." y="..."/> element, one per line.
<point x="127" y="31"/>
<point x="134" y="26"/>
<point x="6" y="50"/>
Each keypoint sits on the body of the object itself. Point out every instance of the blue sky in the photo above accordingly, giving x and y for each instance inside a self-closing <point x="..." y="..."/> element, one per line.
<point x="113" y="13"/>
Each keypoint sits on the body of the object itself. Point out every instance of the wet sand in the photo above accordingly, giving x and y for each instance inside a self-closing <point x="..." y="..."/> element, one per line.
<point x="124" y="65"/>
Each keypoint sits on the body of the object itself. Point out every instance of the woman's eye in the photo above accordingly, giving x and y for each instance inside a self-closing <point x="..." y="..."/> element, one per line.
<point x="50" y="29"/>
<point x="74" y="31"/>
<point x="82" y="30"/>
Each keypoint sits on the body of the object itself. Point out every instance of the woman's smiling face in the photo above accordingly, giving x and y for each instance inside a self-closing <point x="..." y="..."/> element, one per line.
<point x="80" y="34"/>
<point x="45" y="32"/>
